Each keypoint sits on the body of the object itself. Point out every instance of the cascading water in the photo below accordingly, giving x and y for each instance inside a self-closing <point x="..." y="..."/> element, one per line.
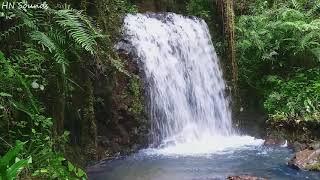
<point x="188" y="107"/>
<point x="192" y="131"/>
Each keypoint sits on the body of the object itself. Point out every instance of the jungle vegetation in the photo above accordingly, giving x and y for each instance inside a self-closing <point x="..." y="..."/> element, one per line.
<point x="44" y="55"/>
<point x="278" y="45"/>
<point x="50" y="59"/>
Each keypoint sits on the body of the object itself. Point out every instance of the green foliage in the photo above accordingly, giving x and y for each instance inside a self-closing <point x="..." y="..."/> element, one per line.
<point x="11" y="165"/>
<point x="79" y="28"/>
<point x="208" y="11"/>
<point x="315" y="166"/>
<point x="60" y="168"/>
<point x="200" y="8"/>
<point x="31" y="127"/>
<point x="51" y="38"/>
<point x="110" y="19"/>
<point x="42" y="48"/>
<point x="135" y="91"/>
<point x="299" y="96"/>
<point x="278" y="52"/>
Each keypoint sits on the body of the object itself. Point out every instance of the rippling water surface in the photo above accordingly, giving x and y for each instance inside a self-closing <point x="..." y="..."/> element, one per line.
<point x="147" y="165"/>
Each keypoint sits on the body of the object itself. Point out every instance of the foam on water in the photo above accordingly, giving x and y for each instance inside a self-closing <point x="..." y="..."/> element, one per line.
<point x="209" y="145"/>
<point x="188" y="107"/>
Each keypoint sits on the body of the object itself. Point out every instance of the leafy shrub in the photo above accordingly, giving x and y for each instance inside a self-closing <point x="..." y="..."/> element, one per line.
<point x="278" y="47"/>
<point x="297" y="97"/>
<point x="51" y="38"/>
<point x="200" y="8"/>
<point x="11" y="165"/>
<point x="40" y="47"/>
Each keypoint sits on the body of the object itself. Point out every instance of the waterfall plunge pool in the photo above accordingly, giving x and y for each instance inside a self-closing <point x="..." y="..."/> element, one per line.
<point x="249" y="160"/>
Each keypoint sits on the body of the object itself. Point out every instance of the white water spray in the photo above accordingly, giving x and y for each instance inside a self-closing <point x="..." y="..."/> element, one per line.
<point x="189" y="110"/>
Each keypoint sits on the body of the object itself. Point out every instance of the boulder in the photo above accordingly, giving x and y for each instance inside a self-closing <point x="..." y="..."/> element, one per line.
<point x="245" y="177"/>
<point x="314" y="145"/>
<point x="274" y="141"/>
<point x="297" y="146"/>
<point x="306" y="159"/>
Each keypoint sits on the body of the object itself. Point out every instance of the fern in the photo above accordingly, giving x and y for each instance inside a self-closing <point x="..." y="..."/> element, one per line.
<point x="58" y="37"/>
<point x="34" y="55"/>
<point x="276" y="42"/>
<point x="78" y="31"/>
<point x="11" y="30"/>
<point x="95" y="32"/>
<point x="50" y="39"/>
<point x="27" y="18"/>
<point x="296" y="4"/>
<point x="43" y="40"/>
<point x="316" y="53"/>
<point x="310" y="40"/>
<point x="46" y="42"/>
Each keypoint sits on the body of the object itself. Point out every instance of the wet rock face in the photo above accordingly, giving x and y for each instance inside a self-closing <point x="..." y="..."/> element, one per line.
<point x="245" y="178"/>
<point x="119" y="107"/>
<point x="307" y="159"/>
<point x="125" y="49"/>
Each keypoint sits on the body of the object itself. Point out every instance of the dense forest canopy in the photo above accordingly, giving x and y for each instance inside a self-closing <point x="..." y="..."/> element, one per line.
<point x="52" y="61"/>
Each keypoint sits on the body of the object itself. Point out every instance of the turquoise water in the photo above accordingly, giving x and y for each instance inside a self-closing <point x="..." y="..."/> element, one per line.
<point x="257" y="161"/>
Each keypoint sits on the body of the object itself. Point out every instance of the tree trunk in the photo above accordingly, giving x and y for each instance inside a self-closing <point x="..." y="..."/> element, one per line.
<point x="59" y="104"/>
<point x="88" y="125"/>
<point x="227" y="11"/>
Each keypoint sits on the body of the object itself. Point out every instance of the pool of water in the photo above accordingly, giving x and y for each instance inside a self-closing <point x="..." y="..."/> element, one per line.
<point x="149" y="165"/>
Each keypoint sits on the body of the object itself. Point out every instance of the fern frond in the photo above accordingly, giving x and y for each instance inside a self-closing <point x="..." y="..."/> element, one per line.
<point x="316" y="53"/>
<point x="43" y="40"/>
<point x="11" y="30"/>
<point x="310" y="40"/>
<point x="315" y="9"/>
<point x="34" y="54"/>
<point x="296" y="4"/>
<point x="288" y="14"/>
<point x="89" y="23"/>
<point x="27" y="18"/>
<point x="58" y="37"/>
<point x="47" y="42"/>
<point x="76" y="28"/>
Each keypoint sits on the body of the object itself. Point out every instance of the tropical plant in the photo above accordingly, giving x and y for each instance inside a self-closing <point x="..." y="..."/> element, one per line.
<point x="11" y="165"/>
<point x="200" y="8"/>
<point x="278" y="53"/>
<point x="52" y="39"/>
<point x="295" y="98"/>
<point x="42" y="52"/>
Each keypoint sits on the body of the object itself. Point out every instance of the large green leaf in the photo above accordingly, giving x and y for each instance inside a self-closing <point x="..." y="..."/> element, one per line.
<point x="11" y="155"/>
<point x="16" y="168"/>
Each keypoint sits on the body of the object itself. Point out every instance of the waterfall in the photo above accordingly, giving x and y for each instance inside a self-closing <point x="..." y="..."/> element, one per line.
<point x="186" y="91"/>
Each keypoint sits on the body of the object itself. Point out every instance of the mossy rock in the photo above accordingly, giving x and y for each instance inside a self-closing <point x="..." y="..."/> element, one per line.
<point x="315" y="166"/>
